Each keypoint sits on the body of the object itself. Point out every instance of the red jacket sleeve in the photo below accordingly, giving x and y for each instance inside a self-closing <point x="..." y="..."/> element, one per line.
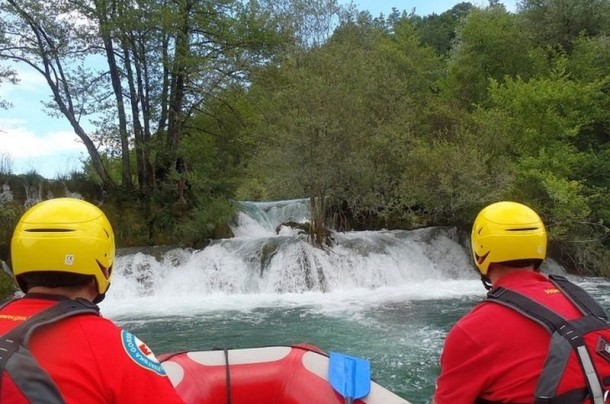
<point x="144" y="373"/>
<point x="93" y="361"/>
<point x="463" y="370"/>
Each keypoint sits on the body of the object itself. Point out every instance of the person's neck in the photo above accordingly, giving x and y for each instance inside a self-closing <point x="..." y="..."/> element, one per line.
<point x="499" y="270"/>
<point x="71" y="293"/>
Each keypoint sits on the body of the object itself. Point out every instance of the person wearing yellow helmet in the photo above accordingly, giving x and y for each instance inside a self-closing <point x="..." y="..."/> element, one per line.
<point x="534" y="338"/>
<point x="56" y="346"/>
<point x="63" y="242"/>
<point x="507" y="232"/>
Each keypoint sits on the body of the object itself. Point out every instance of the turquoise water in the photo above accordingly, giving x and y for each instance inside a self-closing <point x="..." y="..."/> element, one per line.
<point x="387" y="296"/>
<point x="402" y="339"/>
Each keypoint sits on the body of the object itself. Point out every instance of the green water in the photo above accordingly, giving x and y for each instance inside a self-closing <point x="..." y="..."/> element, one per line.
<point x="387" y="296"/>
<point x="402" y="339"/>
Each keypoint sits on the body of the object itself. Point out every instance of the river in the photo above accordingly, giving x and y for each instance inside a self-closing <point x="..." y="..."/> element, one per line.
<point x="387" y="296"/>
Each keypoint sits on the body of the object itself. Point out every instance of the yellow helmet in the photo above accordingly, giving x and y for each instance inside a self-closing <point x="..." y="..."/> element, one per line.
<point x="64" y="235"/>
<point x="507" y="231"/>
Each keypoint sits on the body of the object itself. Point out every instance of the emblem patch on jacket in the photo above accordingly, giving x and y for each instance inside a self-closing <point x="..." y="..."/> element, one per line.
<point x="140" y="353"/>
<point x="603" y="348"/>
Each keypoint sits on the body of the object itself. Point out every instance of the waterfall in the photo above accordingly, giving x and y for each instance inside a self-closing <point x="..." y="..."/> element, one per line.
<point x="6" y="195"/>
<point x="261" y="266"/>
<point x="261" y="219"/>
<point x="260" y="261"/>
<point x="388" y="296"/>
<point x="35" y="192"/>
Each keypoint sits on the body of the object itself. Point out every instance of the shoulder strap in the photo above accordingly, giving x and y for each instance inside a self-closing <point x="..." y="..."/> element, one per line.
<point x="528" y="307"/>
<point x="16" y="359"/>
<point x="566" y="335"/>
<point x="23" y="332"/>
<point x="577" y="295"/>
<point x="594" y="317"/>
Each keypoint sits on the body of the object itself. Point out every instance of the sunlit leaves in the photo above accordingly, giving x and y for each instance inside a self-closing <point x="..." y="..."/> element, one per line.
<point x="489" y="45"/>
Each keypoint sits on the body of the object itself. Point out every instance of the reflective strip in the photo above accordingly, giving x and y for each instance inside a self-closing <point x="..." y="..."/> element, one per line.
<point x="596" y="389"/>
<point x="554" y="366"/>
<point x="31" y="379"/>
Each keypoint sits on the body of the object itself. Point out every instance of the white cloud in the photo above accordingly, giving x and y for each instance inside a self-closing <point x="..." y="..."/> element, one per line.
<point x="50" y="154"/>
<point x="19" y="142"/>
<point x="30" y="138"/>
<point x="30" y="81"/>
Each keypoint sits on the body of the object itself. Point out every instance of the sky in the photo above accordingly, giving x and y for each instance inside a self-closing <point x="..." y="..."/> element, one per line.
<point x="422" y="7"/>
<point x="31" y="140"/>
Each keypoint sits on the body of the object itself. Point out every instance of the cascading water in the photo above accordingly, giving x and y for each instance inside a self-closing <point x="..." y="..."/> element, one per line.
<point x="6" y="195"/>
<point x="261" y="219"/>
<point x="272" y="261"/>
<point x="388" y="296"/>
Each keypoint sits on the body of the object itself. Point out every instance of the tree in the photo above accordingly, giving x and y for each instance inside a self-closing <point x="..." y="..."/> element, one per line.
<point x="489" y="45"/>
<point x="138" y="70"/>
<point x="558" y="23"/>
<point x="43" y="37"/>
<point x="439" y="30"/>
<point x="543" y="126"/>
<point x="345" y="153"/>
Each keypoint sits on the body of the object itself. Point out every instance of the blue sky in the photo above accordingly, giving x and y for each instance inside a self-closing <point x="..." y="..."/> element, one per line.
<point x="422" y="7"/>
<point x="35" y="141"/>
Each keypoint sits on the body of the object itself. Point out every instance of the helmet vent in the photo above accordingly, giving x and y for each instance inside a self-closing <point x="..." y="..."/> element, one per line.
<point x="481" y="258"/>
<point x="105" y="271"/>
<point x="49" y="230"/>
<point x="523" y="229"/>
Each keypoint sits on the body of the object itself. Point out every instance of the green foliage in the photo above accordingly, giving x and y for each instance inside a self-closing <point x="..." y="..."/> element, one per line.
<point x="545" y="128"/>
<point x="547" y="110"/>
<point x="10" y="212"/>
<point x="350" y="151"/>
<point x="438" y="31"/>
<point x="469" y="178"/>
<point x="130" y="222"/>
<point x="8" y="288"/>
<point x="590" y="58"/>
<point x="210" y="220"/>
<point x="562" y="201"/>
<point x="558" y="23"/>
<point x="395" y="123"/>
<point x="489" y="45"/>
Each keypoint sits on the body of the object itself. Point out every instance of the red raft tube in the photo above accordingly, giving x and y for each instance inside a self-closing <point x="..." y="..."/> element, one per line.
<point x="264" y="375"/>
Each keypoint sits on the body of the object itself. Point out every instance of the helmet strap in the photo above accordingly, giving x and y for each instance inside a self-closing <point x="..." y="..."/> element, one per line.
<point x="486" y="282"/>
<point x="99" y="298"/>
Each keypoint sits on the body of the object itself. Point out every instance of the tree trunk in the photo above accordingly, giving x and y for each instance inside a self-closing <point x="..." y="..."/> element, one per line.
<point x="317" y="230"/>
<point x="118" y="92"/>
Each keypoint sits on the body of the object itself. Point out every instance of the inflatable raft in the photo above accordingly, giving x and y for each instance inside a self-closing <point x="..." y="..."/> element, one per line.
<point x="265" y="375"/>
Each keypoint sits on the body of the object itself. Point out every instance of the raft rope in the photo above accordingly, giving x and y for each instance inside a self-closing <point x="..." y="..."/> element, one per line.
<point x="228" y="375"/>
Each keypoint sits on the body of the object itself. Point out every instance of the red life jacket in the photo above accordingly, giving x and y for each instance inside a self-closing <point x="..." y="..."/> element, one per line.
<point x="23" y="380"/>
<point x="579" y="345"/>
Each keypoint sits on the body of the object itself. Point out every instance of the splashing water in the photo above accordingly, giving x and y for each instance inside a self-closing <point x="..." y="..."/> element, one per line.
<point x="388" y="296"/>
<point x="260" y="270"/>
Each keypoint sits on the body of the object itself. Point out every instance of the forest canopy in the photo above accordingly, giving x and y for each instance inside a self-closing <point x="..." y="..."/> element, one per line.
<point x="397" y="121"/>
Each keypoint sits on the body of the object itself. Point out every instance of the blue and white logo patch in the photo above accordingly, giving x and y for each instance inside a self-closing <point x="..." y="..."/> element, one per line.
<point x="140" y="353"/>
